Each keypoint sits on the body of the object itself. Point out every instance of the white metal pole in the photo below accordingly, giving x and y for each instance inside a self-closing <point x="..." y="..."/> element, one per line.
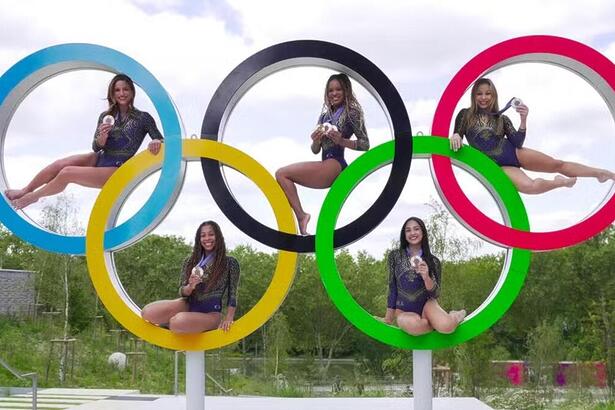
<point x="195" y="380"/>
<point x="422" y="379"/>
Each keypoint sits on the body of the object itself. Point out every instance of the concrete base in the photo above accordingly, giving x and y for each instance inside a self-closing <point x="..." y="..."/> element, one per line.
<point x="277" y="403"/>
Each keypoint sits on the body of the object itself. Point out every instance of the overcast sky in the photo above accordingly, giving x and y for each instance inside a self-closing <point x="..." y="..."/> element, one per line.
<point x="191" y="46"/>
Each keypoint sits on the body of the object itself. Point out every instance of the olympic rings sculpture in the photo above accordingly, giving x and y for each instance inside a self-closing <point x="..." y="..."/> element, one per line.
<point x="99" y="244"/>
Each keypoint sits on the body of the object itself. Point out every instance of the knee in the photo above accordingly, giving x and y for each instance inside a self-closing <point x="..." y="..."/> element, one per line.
<point x="446" y="326"/>
<point x="280" y="175"/>
<point x="68" y="173"/>
<point x="147" y="313"/>
<point x="178" y="323"/>
<point x="413" y="326"/>
<point x="558" y="165"/>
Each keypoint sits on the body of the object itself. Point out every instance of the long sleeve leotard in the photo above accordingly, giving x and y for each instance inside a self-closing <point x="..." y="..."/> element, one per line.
<point x="205" y="301"/>
<point x="353" y="123"/>
<point x="125" y="137"/>
<point x="482" y="134"/>
<point x="407" y="290"/>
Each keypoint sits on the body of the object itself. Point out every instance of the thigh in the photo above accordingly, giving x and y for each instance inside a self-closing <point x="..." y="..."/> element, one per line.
<point x="433" y="312"/>
<point x="195" y="322"/>
<point x="80" y="160"/>
<point x="533" y="160"/>
<point x="314" y="174"/>
<point x="404" y="318"/>
<point x="517" y="176"/>
<point x="91" y="177"/>
<point x="161" y="311"/>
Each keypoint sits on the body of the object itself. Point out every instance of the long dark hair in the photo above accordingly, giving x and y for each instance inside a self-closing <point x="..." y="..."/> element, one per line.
<point x="471" y="115"/>
<point x="403" y="243"/>
<point x="350" y="100"/>
<point x="113" y="107"/>
<point x="219" y="265"/>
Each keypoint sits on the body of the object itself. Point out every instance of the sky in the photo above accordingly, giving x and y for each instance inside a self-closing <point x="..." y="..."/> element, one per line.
<point x="191" y="46"/>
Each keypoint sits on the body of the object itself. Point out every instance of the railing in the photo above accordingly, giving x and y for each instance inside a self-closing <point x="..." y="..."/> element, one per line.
<point x="176" y="380"/>
<point x="31" y="375"/>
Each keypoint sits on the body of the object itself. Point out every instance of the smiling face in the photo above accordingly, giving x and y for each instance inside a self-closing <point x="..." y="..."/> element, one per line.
<point x="123" y="94"/>
<point x="484" y="97"/>
<point x="335" y="93"/>
<point x="413" y="233"/>
<point x="208" y="238"/>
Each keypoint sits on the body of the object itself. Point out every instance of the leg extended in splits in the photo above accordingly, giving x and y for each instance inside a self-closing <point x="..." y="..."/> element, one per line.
<point x="315" y="174"/>
<point x="53" y="179"/>
<point x="533" y="160"/>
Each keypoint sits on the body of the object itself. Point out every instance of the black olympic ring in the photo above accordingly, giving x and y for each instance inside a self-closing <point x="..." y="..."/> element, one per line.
<point x="307" y="53"/>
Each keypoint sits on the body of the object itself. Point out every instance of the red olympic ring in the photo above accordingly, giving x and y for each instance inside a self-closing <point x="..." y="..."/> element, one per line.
<point x="445" y="179"/>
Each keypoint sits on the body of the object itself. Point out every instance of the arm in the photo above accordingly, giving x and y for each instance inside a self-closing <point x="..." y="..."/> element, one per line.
<point x="316" y="140"/>
<point x="431" y="279"/>
<point x="233" y="283"/>
<point x="458" y="131"/>
<point x="188" y="281"/>
<point x="392" y="299"/>
<point x="100" y="135"/>
<point x="358" y="128"/>
<point x="515" y="137"/>
<point x="154" y="133"/>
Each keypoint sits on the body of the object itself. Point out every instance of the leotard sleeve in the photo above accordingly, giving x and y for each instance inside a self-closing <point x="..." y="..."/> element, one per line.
<point x="435" y="276"/>
<point x="515" y="137"/>
<point x="358" y="128"/>
<point x="392" y="299"/>
<point x="459" y="125"/>
<point x="95" y="146"/>
<point x="233" y="281"/>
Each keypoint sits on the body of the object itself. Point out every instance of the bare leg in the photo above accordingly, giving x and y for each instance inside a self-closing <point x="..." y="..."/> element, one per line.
<point x="533" y="160"/>
<point x="163" y="310"/>
<point x="528" y="185"/>
<point x="194" y="322"/>
<point x="440" y="320"/>
<point x="316" y="174"/>
<point x="91" y="177"/>
<point x="51" y="171"/>
<point x="412" y="323"/>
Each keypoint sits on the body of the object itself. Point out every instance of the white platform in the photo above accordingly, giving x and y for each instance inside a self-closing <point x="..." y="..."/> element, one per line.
<point x="278" y="403"/>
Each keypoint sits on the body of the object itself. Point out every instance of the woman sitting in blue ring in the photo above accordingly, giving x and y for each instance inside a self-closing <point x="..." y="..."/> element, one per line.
<point x="491" y="132"/>
<point x="342" y="117"/>
<point x="116" y="140"/>
<point x="207" y="275"/>
<point x="414" y="285"/>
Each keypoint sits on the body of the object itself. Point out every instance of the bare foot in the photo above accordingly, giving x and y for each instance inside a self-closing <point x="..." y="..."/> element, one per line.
<point x="303" y="223"/>
<point x="605" y="176"/>
<point x="24" y="201"/>
<point x="12" y="194"/>
<point x="567" y="182"/>
<point x="458" y="315"/>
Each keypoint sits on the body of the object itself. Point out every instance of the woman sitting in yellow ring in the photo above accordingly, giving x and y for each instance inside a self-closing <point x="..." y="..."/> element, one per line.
<point x="207" y="275"/>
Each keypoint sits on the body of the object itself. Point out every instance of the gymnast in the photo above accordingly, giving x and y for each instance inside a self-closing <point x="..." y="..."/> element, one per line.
<point x="414" y="285"/>
<point x="119" y="133"/>
<point x="493" y="133"/>
<point x="342" y="116"/>
<point x="207" y="275"/>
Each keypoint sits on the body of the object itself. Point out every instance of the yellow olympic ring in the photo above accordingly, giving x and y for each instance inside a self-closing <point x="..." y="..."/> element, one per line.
<point x="100" y="262"/>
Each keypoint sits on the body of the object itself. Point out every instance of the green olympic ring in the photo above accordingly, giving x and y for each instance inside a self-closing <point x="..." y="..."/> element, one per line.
<point x="511" y="279"/>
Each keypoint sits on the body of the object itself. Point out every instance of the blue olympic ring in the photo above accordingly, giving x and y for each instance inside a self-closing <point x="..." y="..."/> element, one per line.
<point x="43" y="64"/>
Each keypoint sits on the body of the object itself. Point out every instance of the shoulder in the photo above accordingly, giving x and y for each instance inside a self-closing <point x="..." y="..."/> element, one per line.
<point x="462" y="112"/>
<point x="394" y="256"/>
<point x="355" y="112"/>
<point x="436" y="261"/>
<point x="232" y="263"/>
<point x="505" y="118"/>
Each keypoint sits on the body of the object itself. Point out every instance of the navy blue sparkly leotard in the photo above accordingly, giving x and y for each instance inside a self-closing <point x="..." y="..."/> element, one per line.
<point x="482" y="134"/>
<point x="347" y="125"/>
<point x="125" y="137"/>
<point x="206" y="301"/>
<point x="407" y="290"/>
